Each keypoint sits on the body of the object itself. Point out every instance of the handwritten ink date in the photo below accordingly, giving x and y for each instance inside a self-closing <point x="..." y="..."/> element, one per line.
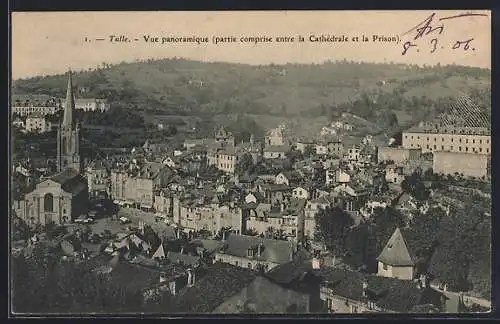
<point x="426" y="36"/>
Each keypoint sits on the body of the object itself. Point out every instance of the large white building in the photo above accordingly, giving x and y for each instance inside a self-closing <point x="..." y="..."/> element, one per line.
<point x="91" y="104"/>
<point x="457" y="136"/>
<point x="37" y="123"/>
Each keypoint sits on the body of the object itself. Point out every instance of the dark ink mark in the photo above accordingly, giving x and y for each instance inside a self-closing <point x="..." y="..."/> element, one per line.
<point x="407" y="46"/>
<point x="464" y="15"/>
<point x="424" y="28"/>
<point x="99" y="39"/>
<point x="434" y="42"/>
<point x="466" y="44"/>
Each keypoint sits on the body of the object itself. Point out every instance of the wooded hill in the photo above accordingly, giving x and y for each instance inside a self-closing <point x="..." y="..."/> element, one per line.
<point x="178" y="87"/>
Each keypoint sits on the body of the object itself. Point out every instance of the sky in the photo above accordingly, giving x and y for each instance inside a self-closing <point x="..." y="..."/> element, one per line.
<point x="45" y="43"/>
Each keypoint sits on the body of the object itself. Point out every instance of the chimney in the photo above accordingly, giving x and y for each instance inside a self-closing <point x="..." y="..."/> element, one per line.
<point x="191" y="278"/>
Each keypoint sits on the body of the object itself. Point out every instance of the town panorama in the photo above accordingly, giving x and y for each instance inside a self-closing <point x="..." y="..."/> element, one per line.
<point x="126" y="201"/>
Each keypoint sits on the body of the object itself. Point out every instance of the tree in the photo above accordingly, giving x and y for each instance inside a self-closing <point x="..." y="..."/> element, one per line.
<point x="415" y="186"/>
<point x="332" y="224"/>
<point x="385" y="221"/>
<point x="245" y="164"/>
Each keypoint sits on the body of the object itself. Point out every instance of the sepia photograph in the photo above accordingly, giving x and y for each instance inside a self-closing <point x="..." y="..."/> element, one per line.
<point x="314" y="163"/>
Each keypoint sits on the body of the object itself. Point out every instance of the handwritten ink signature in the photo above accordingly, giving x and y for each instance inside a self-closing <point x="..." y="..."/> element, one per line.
<point x="430" y="27"/>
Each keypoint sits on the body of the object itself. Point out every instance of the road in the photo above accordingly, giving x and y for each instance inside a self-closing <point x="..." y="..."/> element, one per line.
<point x="135" y="216"/>
<point x="468" y="300"/>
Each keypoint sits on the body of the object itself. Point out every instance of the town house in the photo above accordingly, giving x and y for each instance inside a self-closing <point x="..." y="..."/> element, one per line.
<point x="98" y="178"/>
<point x="287" y="219"/>
<point x="397" y="259"/>
<point x="349" y="292"/>
<point x="253" y="252"/>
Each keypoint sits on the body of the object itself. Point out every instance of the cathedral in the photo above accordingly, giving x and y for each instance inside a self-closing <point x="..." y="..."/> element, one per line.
<point x="64" y="196"/>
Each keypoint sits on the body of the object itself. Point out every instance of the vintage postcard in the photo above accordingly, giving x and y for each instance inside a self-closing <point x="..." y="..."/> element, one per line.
<point x="250" y="162"/>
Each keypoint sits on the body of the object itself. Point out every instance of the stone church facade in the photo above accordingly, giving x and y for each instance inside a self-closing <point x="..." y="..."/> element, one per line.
<point x="64" y="196"/>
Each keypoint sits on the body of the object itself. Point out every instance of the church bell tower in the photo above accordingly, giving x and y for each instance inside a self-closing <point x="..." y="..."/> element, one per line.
<point x="68" y="135"/>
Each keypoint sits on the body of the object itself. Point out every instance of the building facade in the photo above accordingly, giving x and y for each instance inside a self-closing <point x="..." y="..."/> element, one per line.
<point x="432" y="138"/>
<point x="57" y="200"/>
<point x="37" y="123"/>
<point x="398" y="155"/>
<point x="91" y="104"/>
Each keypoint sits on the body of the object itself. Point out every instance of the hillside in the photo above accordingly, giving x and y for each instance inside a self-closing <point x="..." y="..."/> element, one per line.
<point x="180" y="88"/>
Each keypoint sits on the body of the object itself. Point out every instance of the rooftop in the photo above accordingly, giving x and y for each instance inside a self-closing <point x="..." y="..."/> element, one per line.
<point x="275" y="251"/>
<point x="397" y="252"/>
<point x="219" y="282"/>
<point x="388" y="293"/>
<point x="71" y="181"/>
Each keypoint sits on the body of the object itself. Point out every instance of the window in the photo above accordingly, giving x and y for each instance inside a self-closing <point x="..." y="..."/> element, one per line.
<point x="329" y="303"/>
<point x="460" y="148"/>
<point x="418" y="137"/>
<point x="435" y="139"/>
<point x="427" y="145"/>
<point x="442" y="139"/>
<point x="473" y="141"/>
<point x="249" y="265"/>
<point x="480" y="149"/>
<point x="412" y="137"/>
<point x="466" y="141"/>
<point x="48" y="203"/>
<point x="466" y="149"/>
<point x="451" y="148"/>
<point x="434" y="146"/>
<point x="384" y="266"/>
<point x="442" y="147"/>
<point x="427" y="139"/>
<point x="236" y="263"/>
<point x="487" y="150"/>
<point x="460" y="140"/>
<point x="480" y="141"/>
<point x="451" y="139"/>
<point x="487" y="141"/>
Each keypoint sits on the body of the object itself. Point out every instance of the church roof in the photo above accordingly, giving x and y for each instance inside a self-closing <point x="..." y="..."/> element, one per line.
<point x="71" y="181"/>
<point x="396" y="252"/>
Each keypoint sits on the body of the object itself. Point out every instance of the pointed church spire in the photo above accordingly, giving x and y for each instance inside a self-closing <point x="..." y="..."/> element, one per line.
<point x="70" y="103"/>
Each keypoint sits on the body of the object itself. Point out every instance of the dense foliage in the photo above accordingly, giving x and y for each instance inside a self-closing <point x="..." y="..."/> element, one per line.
<point x="463" y="255"/>
<point x="332" y="225"/>
<point x="43" y="284"/>
<point x="414" y="185"/>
